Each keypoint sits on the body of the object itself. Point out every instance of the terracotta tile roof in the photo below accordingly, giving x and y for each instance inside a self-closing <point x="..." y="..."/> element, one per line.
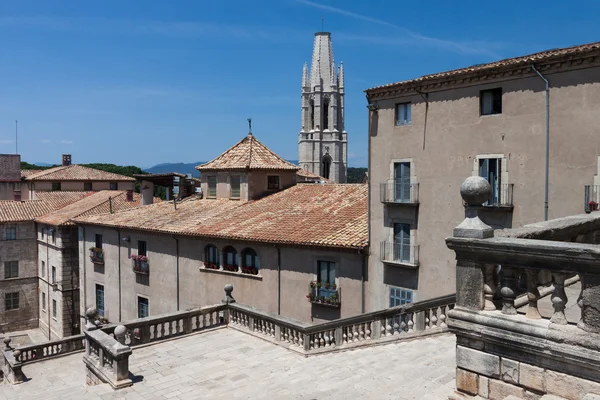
<point x="101" y="202"/>
<point x="248" y="154"/>
<point x="28" y="210"/>
<point x="310" y="177"/>
<point x="324" y="215"/>
<point x="543" y="56"/>
<point x="28" y="172"/>
<point x="76" y="172"/>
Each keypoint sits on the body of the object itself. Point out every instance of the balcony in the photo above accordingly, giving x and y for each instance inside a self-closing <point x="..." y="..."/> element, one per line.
<point x="96" y="255"/>
<point x="397" y="191"/>
<point x="501" y="197"/>
<point x="402" y="254"/>
<point x="591" y="198"/>
<point x="140" y="264"/>
<point x="323" y="294"/>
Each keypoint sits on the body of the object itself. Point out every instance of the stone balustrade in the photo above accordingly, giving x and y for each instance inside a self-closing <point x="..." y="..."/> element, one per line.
<point x="106" y="359"/>
<point x="501" y="352"/>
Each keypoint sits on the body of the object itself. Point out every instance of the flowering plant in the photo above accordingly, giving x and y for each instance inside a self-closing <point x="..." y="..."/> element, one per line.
<point x="250" y="270"/>
<point x="136" y="257"/>
<point x="231" y="267"/>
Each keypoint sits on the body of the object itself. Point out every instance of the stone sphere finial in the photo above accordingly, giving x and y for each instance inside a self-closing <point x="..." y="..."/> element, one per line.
<point x="475" y="190"/>
<point x="17" y="354"/>
<point x="91" y="314"/>
<point x="7" y="342"/>
<point x="228" y="298"/>
<point x="120" y="332"/>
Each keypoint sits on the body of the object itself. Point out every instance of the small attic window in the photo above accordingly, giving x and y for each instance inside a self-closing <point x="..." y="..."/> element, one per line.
<point x="272" y="182"/>
<point x="212" y="186"/>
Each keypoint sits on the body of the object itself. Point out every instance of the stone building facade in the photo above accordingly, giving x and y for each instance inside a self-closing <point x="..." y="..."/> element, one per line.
<point x="323" y="140"/>
<point x="426" y="134"/>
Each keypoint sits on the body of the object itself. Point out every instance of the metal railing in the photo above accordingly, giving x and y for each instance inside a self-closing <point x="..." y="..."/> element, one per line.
<point x="400" y="253"/>
<point x="591" y="198"/>
<point x="399" y="191"/>
<point x="502" y="196"/>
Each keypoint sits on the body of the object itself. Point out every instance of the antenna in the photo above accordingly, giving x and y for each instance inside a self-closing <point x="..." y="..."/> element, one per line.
<point x="16" y="137"/>
<point x="249" y="126"/>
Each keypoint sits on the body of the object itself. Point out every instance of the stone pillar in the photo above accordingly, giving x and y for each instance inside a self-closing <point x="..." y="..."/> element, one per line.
<point x="589" y="300"/>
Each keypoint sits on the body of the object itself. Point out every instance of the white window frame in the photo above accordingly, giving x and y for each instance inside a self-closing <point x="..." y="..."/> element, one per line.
<point x="407" y="108"/>
<point x="208" y="179"/>
<point x="400" y="290"/>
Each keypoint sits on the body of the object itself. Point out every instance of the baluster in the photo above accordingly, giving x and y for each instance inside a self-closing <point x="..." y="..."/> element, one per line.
<point x="210" y="319"/>
<point x="443" y="317"/>
<point x="361" y="335"/>
<point x="388" y="327"/>
<point x="311" y="343"/>
<point x="411" y="324"/>
<point x="533" y="294"/>
<point x="434" y="317"/>
<point x="427" y="320"/>
<point x="327" y="339"/>
<point x="559" y="299"/>
<point x="332" y="337"/>
<point x="396" y="326"/>
<point x="301" y="340"/>
<point x="368" y="330"/>
<point x="355" y="333"/>
<point x="321" y="339"/>
<point x="509" y="283"/>
<point x="489" y="287"/>
<point x="403" y="323"/>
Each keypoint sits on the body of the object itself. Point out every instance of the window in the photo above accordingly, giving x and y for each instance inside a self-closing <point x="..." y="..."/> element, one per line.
<point x="312" y="115"/>
<point x="43" y="301"/>
<point x="11" y="232"/>
<point x="141" y="248"/>
<point x="325" y="109"/>
<point x="98" y="241"/>
<point x="230" y="256"/>
<point x="235" y="186"/>
<point x="490" y="101"/>
<point x="212" y="186"/>
<point x="43" y="268"/>
<point x="403" y="114"/>
<point x="113" y="186"/>
<point x="212" y="254"/>
<point x="402" y="182"/>
<point x="11" y="269"/>
<point x="53" y="274"/>
<point x="402" y="243"/>
<point x="142" y="307"/>
<point x="53" y="236"/>
<point x="100" y="300"/>
<point x="43" y="233"/>
<point x="326" y="277"/>
<point x="491" y="170"/>
<point x="272" y="182"/>
<point x="11" y="301"/>
<point x="326" y="167"/>
<point x="87" y="186"/>
<point x="54" y="311"/>
<point x="399" y="296"/>
<point x="55" y="185"/>
<point x="250" y="259"/>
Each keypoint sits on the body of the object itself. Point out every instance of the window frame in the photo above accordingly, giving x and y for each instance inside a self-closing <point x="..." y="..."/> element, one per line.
<point x="54" y="309"/>
<point x="238" y="179"/>
<point x="9" y="268"/>
<point x="270" y="185"/>
<point x="142" y="249"/>
<point x="407" y="107"/>
<point x="43" y="268"/>
<point x="87" y="184"/>
<point x="147" y="306"/>
<point x="98" y="240"/>
<point x="400" y="295"/>
<point x="53" y="275"/>
<point x="495" y="101"/>
<point x="9" y="298"/>
<point x="209" y="180"/>
<point x="13" y="232"/>
<point x="255" y="260"/>
<point x="53" y="236"/>
<point x="229" y="250"/>
<point x="44" y="301"/>
<point x="207" y="255"/>
<point x="113" y="186"/>
<point x="99" y="289"/>
<point x="56" y="186"/>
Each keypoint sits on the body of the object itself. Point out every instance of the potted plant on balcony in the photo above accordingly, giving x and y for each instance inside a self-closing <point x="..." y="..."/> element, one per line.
<point x="254" y="271"/>
<point x="144" y="268"/>
<point x="96" y="255"/>
<point x="231" y="267"/>
<point x="593" y="206"/>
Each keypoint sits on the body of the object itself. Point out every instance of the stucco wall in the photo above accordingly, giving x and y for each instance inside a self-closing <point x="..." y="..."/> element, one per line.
<point x="444" y="147"/>
<point x="7" y="190"/>
<point x="199" y="287"/>
<point x="22" y="250"/>
<point x="78" y="186"/>
<point x="253" y="184"/>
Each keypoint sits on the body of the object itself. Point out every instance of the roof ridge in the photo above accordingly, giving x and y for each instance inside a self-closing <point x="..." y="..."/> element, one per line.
<point x="251" y="138"/>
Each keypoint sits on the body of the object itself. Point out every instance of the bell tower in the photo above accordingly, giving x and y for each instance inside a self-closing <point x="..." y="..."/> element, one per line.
<point x="323" y="140"/>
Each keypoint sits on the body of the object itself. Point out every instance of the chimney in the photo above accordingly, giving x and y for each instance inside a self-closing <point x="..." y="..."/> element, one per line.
<point x="66" y="160"/>
<point x="130" y="195"/>
<point x="17" y="195"/>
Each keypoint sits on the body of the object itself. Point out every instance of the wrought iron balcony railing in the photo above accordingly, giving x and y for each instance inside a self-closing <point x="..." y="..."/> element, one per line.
<point x="502" y="196"/>
<point x="400" y="253"/>
<point x="591" y="198"/>
<point x="398" y="191"/>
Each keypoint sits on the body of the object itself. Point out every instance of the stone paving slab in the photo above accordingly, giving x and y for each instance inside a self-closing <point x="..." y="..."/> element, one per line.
<point x="211" y="366"/>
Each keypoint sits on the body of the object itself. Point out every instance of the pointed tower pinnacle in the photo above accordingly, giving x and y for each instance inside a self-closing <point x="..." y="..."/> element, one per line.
<point x="305" y="83"/>
<point x="333" y="75"/>
<point x="322" y="59"/>
<point x="341" y="75"/>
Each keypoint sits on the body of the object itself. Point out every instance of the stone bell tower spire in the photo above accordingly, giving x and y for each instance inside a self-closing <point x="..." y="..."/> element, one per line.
<point x="322" y="142"/>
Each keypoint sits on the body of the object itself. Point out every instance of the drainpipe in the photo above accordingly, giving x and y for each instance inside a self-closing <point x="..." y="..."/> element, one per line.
<point x="119" y="268"/>
<point x="425" y="97"/>
<point x="547" y="140"/>
<point x="177" y="263"/>
<point x="362" y="280"/>
<point x="84" y="279"/>
<point x="278" y="280"/>
<point x="49" y="271"/>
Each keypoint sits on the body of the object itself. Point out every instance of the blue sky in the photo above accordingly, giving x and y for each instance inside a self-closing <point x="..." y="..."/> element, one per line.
<point x="145" y="82"/>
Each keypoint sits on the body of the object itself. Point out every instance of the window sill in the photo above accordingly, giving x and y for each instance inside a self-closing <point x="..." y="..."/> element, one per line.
<point x="399" y="125"/>
<point x="14" y="309"/>
<point x="489" y="115"/>
<point x="223" y="272"/>
<point x="338" y="305"/>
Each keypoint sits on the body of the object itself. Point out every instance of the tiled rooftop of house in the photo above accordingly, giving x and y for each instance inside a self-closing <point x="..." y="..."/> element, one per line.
<point x="27" y="210"/>
<point x="527" y="60"/>
<point x="229" y="364"/>
<point x="248" y="154"/>
<point x="102" y="202"/>
<point x="28" y="172"/>
<point x="76" y="172"/>
<point x="329" y="215"/>
<point x="309" y="176"/>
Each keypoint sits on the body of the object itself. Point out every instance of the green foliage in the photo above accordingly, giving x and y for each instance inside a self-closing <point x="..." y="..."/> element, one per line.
<point x="26" y="165"/>
<point x="356" y="175"/>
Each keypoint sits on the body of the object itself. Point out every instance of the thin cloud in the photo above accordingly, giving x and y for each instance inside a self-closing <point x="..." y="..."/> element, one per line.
<point x="46" y="141"/>
<point x="460" y="47"/>
<point x="66" y="141"/>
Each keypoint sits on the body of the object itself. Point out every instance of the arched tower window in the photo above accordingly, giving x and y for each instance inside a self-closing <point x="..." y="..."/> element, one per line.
<point x="325" y="113"/>
<point x="312" y="114"/>
<point x="326" y="166"/>
<point x="250" y="262"/>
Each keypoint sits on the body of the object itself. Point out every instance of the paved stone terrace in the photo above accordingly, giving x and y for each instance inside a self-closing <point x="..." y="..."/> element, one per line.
<point x="229" y="364"/>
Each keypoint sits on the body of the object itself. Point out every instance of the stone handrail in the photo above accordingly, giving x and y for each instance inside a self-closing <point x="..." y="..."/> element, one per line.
<point x="106" y="360"/>
<point x="53" y="348"/>
<point x="395" y="323"/>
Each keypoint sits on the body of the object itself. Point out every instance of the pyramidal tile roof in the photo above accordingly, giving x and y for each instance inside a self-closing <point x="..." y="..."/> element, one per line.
<point x="28" y="210"/>
<point x="323" y="215"/>
<point x="76" y="172"/>
<point x="248" y="154"/>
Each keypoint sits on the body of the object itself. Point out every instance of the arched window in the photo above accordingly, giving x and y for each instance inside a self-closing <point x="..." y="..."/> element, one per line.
<point x="326" y="166"/>
<point x="230" y="259"/>
<point x="325" y="113"/>
<point x="250" y="262"/>
<point x="312" y="115"/>
<point x="211" y="257"/>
